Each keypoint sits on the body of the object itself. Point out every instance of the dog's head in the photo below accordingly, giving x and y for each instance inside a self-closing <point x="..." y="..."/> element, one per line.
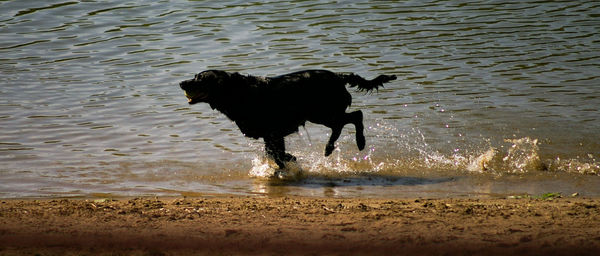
<point x="203" y="85"/>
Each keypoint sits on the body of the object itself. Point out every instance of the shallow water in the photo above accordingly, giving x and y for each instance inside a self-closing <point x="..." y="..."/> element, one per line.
<point x="492" y="98"/>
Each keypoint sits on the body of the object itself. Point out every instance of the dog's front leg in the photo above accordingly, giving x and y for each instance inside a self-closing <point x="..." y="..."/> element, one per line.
<point x="336" y="131"/>
<point x="275" y="149"/>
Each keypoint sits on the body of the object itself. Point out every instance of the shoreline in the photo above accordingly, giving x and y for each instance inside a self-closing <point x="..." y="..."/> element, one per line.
<point x="294" y="225"/>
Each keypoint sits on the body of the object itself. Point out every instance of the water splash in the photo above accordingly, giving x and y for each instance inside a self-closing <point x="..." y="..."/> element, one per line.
<point x="521" y="157"/>
<point x="407" y="152"/>
<point x="591" y="167"/>
<point x="265" y="168"/>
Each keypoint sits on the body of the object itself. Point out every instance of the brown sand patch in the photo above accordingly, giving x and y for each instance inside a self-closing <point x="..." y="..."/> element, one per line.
<point x="300" y="226"/>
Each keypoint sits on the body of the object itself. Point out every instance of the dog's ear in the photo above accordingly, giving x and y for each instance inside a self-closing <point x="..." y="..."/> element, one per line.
<point x="215" y="77"/>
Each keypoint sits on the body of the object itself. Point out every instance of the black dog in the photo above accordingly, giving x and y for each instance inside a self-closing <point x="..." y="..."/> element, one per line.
<point x="274" y="107"/>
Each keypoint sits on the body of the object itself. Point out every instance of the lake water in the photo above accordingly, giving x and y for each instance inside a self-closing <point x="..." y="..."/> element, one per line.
<point x="493" y="98"/>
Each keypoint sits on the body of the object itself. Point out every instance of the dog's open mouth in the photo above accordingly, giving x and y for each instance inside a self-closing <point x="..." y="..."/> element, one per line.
<point x="194" y="97"/>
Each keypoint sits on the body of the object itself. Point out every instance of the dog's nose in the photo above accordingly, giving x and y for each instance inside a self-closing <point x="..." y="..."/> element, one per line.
<point x="183" y="84"/>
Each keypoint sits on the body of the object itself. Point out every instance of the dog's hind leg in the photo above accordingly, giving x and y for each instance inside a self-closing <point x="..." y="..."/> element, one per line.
<point x="275" y="149"/>
<point x="355" y="118"/>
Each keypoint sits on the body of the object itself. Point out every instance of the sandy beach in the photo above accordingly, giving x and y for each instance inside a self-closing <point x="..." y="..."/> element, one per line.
<point x="224" y="225"/>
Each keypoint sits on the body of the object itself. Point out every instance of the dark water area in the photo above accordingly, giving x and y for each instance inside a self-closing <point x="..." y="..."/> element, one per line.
<point x="492" y="98"/>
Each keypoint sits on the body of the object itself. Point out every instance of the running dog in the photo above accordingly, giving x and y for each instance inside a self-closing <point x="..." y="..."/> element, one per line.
<point x="274" y="107"/>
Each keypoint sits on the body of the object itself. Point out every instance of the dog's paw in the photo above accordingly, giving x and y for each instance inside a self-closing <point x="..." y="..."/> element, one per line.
<point x="329" y="149"/>
<point x="289" y="158"/>
<point x="360" y="141"/>
<point x="291" y="173"/>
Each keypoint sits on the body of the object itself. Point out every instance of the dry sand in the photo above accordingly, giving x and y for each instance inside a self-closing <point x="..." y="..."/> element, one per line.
<point x="300" y="226"/>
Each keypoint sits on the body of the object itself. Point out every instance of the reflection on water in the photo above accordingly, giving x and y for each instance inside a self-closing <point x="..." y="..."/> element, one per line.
<point x="89" y="102"/>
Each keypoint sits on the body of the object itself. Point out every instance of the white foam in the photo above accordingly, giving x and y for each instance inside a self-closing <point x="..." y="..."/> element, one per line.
<point x="266" y="168"/>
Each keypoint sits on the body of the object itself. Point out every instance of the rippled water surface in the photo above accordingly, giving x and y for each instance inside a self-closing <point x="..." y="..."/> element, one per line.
<point x="493" y="97"/>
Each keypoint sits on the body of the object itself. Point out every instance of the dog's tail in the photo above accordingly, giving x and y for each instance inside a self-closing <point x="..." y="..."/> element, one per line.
<point x="364" y="84"/>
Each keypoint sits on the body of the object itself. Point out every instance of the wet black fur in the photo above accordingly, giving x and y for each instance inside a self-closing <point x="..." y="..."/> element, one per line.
<point x="274" y="107"/>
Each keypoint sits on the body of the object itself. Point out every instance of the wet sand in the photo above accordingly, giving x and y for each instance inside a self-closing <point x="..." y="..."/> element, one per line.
<point x="224" y="225"/>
